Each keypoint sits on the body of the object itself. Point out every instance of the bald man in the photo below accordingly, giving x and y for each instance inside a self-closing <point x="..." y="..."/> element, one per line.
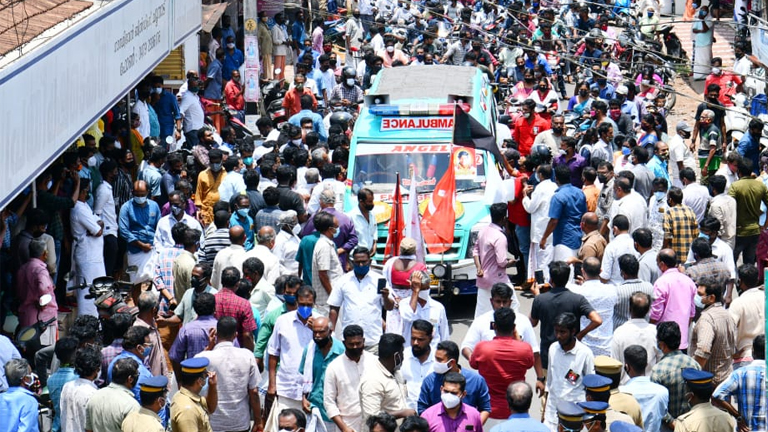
<point x="138" y="223"/>
<point x="323" y="349"/>
<point x="592" y="243"/>
<point x="233" y="255"/>
<point x="265" y="240"/>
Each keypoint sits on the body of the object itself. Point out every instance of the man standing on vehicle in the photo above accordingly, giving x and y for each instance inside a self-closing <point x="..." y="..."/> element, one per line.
<point x="527" y="127"/>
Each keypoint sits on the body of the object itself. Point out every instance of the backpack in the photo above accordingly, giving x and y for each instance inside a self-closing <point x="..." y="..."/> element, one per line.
<point x="759" y="105"/>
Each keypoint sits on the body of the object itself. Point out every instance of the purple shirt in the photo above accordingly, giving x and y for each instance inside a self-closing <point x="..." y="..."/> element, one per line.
<point x="576" y="164"/>
<point x="491" y="248"/>
<point x="192" y="338"/>
<point x="673" y="295"/>
<point x="347" y="238"/>
<point x="439" y="421"/>
<point x="32" y="282"/>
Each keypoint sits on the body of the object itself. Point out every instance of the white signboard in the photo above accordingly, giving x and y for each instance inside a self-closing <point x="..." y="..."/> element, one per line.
<point x="51" y="95"/>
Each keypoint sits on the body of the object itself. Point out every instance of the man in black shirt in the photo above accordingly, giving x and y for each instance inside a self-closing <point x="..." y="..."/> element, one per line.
<point x="290" y="200"/>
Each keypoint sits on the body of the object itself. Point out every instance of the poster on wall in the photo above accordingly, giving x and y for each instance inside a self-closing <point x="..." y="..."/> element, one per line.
<point x="251" y="52"/>
<point x="271" y="7"/>
<point x="464" y="163"/>
<point x="252" y="85"/>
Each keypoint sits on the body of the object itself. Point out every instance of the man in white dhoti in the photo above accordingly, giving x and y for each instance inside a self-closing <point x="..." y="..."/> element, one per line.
<point x="87" y="248"/>
<point x="703" y="37"/>
<point x="138" y="222"/>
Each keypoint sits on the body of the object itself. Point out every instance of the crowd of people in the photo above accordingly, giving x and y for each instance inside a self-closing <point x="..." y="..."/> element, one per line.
<point x="256" y="301"/>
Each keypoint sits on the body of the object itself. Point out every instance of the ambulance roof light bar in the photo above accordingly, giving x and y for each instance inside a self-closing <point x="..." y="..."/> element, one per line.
<point x="417" y="109"/>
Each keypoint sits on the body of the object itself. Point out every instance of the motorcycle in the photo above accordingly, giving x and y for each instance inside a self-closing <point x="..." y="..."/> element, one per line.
<point x="109" y="295"/>
<point x="674" y="48"/>
<point x="737" y="119"/>
<point x="27" y="339"/>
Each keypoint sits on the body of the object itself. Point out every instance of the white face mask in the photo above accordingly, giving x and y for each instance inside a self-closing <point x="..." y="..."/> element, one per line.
<point x="441" y="368"/>
<point x="390" y="49"/>
<point x="230" y="45"/>
<point x="296" y="141"/>
<point x="424" y="295"/>
<point x="450" y="400"/>
<point x="296" y="229"/>
<point x="140" y="200"/>
<point x="350" y="82"/>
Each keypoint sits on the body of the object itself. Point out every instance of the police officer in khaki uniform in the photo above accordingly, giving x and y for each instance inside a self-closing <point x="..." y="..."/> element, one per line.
<point x="153" y="392"/>
<point x="619" y="401"/>
<point x="189" y="410"/>
<point x="598" y="389"/>
<point x="703" y="417"/>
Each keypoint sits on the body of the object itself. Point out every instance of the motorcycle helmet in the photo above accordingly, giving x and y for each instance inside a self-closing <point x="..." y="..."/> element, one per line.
<point x="540" y="154"/>
<point x="348" y="76"/>
<point x="341" y="118"/>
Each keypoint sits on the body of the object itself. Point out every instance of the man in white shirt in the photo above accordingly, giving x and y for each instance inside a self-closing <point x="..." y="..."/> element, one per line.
<point x="328" y="172"/>
<point x="730" y="169"/>
<point x="191" y="109"/>
<point x="238" y="380"/>
<point x="291" y="334"/>
<point x="636" y="331"/>
<point x="76" y="394"/>
<point x="178" y="202"/>
<point x="265" y="242"/>
<point x="262" y="292"/>
<point x="418" y="361"/>
<point x="357" y="298"/>
<point x="420" y="305"/>
<point x="88" y="247"/>
<point x="342" y="378"/>
<point x="680" y="155"/>
<point x="628" y="202"/>
<point x="602" y="297"/>
<point x="536" y="203"/>
<point x="233" y="184"/>
<point x="748" y="312"/>
<point x="621" y="244"/>
<point x="695" y="195"/>
<point x="364" y="220"/>
<point x="231" y="256"/>
<point x="723" y="208"/>
<point x="287" y="243"/>
<point x="104" y="208"/>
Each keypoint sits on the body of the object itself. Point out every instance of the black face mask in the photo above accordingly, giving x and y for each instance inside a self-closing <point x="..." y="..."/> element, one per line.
<point x="529" y="80"/>
<point x="130" y="165"/>
<point x="583" y="93"/>
<point x="322" y="342"/>
<point x="603" y="178"/>
<point x="368" y="207"/>
<point x="354" y="352"/>
<point x="557" y="130"/>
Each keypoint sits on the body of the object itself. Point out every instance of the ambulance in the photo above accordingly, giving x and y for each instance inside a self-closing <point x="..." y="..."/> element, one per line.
<point x="406" y="127"/>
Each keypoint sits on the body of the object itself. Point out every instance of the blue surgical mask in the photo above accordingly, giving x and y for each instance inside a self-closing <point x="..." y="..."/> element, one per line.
<point x="304" y="312"/>
<point x="289" y="299"/>
<point x="242" y="213"/>
<point x="659" y="195"/>
<point x="140" y="200"/>
<point x="248" y="161"/>
<point x="147" y="350"/>
<point x="361" y="270"/>
<point x="650" y="14"/>
<point x="697" y="300"/>
<point x="702" y="235"/>
<point x="337" y="232"/>
<point x="204" y="390"/>
<point x="625" y="151"/>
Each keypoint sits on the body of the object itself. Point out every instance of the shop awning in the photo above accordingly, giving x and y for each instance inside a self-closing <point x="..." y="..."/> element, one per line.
<point x="212" y="14"/>
<point x="20" y="22"/>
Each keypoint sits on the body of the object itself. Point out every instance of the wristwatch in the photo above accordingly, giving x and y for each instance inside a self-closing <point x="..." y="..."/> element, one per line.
<point x="541" y="379"/>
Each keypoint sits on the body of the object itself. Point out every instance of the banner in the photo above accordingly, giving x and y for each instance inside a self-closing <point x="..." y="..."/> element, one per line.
<point x="760" y="42"/>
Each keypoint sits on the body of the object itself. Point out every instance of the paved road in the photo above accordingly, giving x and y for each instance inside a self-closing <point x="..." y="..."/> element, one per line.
<point x="460" y="316"/>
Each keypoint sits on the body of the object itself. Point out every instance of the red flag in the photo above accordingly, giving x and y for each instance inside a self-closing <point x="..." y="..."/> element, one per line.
<point x="438" y="220"/>
<point x="396" y="223"/>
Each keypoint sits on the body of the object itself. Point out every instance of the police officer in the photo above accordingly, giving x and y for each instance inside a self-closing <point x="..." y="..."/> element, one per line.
<point x="598" y="389"/>
<point x="153" y="392"/>
<point x="621" y="426"/>
<point x="189" y="410"/>
<point x="619" y="401"/>
<point x="570" y="417"/>
<point x="703" y="417"/>
<point x="594" y="415"/>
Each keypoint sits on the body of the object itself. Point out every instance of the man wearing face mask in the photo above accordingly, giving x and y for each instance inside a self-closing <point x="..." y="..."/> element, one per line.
<point x="342" y="376"/>
<point x="357" y="299"/>
<point x="381" y="386"/>
<point x="713" y="340"/>
<point x="348" y="91"/>
<point x="528" y="126"/>
<point x="291" y="334"/>
<point x="703" y="30"/>
<point x="233" y="58"/>
<point x="390" y="54"/>
<point x="658" y="163"/>
<point x="453" y="414"/>
<point x="208" y="182"/>
<point x="88" y="247"/>
<point x="109" y="406"/>
<point x="37" y="223"/>
<point x="167" y="108"/>
<point x="552" y="137"/>
<point x="648" y="24"/>
<point x="136" y="346"/>
<point x="163" y="237"/>
<point x="287" y="242"/>
<point x="190" y="410"/>
<point x="729" y="82"/>
<point x="138" y="223"/>
<point x="154" y="358"/>
<point x="292" y="100"/>
<point x="233" y="94"/>
<point x="364" y="220"/>
<point x="153" y="397"/>
<point x="317" y="356"/>
<point x="284" y="301"/>
<point x="447" y="362"/>
<point x="185" y="311"/>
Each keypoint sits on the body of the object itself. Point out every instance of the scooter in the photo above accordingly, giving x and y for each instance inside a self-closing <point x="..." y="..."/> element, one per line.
<point x="737" y="119"/>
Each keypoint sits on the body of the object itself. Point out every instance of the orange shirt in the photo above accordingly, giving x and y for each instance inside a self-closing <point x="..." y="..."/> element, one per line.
<point x="233" y="96"/>
<point x="292" y="101"/>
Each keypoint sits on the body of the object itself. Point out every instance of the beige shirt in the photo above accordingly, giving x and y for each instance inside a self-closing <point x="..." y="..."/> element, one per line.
<point x="234" y="256"/>
<point x="157" y="363"/>
<point x="723" y="208"/>
<point x="108" y="407"/>
<point x="143" y="420"/>
<point x="748" y="312"/>
<point x="340" y="389"/>
<point x="380" y="391"/>
<point x="705" y="418"/>
<point x="182" y="273"/>
<point x="189" y="413"/>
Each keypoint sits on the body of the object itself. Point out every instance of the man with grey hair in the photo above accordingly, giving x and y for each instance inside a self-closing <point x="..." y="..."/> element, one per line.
<point x="312" y="178"/>
<point x="148" y="305"/>
<point x="346" y="240"/>
<point x="329" y="172"/>
<point x="711" y="144"/>
<point x="18" y="405"/>
<point x="519" y="397"/>
<point x="265" y="239"/>
<point x="32" y="282"/>
<point x="287" y="243"/>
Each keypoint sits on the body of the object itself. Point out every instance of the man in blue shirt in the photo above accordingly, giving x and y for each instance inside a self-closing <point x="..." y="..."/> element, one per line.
<point x="306" y="111"/>
<point x="233" y="59"/>
<point x="214" y="82"/>
<point x="519" y="397"/>
<point x="18" y="406"/>
<point x="532" y="59"/>
<point x="65" y="352"/>
<point x="749" y="144"/>
<point x="447" y="360"/>
<point x="137" y="224"/>
<point x="298" y="34"/>
<point x="7" y="353"/>
<point x="565" y="210"/>
<point x="226" y="28"/>
<point x="167" y="109"/>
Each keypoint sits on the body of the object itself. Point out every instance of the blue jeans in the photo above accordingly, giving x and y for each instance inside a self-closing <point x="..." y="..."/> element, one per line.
<point x="523" y="234"/>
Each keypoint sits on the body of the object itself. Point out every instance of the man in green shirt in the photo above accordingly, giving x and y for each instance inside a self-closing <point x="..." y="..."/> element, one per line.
<point x="749" y="193"/>
<point x="304" y="256"/>
<point x="288" y="297"/>
<point x="323" y="349"/>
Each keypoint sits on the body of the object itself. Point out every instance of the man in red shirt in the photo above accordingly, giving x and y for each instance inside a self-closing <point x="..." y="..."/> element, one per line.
<point x="230" y="304"/>
<point x="233" y="94"/>
<point x="292" y="101"/>
<point x="519" y="219"/>
<point x="502" y="361"/>
<point x="729" y="83"/>
<point x="527" y="127"/>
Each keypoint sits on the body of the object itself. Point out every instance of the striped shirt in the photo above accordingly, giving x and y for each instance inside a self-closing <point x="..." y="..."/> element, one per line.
<point x="747" y="384"/>
<point x="681" y="228"/>
<point x="215" y="242"/>
<point x="623" y="293"/>
<point x="714" y="338"/>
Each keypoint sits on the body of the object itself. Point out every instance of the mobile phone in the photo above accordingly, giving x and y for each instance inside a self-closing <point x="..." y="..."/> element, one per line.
<point x="382" y="284"/>
<point x="576" y="269"/>
<point x="493" y="325"/>
<point x="539" y="275"/>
